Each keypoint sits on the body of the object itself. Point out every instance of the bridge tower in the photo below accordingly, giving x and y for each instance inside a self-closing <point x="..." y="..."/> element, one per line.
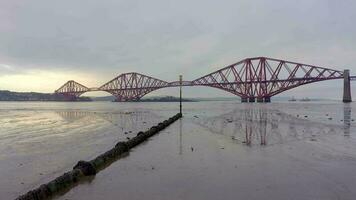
<point x="347" y="88"/>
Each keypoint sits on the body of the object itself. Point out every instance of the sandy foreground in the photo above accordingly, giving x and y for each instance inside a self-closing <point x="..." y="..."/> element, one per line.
<point x="217" y="151"/>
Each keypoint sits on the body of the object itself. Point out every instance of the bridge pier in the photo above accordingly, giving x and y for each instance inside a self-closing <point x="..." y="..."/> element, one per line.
<point x="263" y="99"/>
<point x="260" y="99"/>
<point x="267" y="99"/>
<point x="347" y="87"/>
<point x="254" y="99"/>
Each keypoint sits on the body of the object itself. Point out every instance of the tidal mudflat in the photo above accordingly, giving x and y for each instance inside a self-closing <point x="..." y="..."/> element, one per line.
<point x="219" y="150"/>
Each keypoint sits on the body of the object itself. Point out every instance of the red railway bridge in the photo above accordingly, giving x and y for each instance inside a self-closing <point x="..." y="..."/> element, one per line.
<point x="252" y="79"/>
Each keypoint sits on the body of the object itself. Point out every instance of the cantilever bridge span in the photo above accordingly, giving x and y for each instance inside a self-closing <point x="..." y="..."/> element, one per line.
<point x="251" y="79"/>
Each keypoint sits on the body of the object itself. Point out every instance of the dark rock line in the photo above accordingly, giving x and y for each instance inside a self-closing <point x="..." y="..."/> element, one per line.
<point x="84" y="169"/>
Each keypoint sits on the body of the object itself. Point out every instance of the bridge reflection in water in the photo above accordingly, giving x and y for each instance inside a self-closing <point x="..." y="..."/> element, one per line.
<point x="347" y="119"/>
<point x="125" y="121"/>
<point x="263" y="125"/>
<point x="250" y="125"/>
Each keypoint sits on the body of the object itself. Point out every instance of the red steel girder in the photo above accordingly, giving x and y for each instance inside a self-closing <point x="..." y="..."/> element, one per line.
<point x="265" y="77"/>
<point x="258" y="77"/>
<point x="132" y="86"/>
<point x="72" y="89"/>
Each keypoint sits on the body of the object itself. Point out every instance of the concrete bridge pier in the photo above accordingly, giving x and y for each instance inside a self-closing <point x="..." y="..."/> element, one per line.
<point x="263" y="99"/>
<point x="260" y="99"/>
<point x="347" y="87"/>
<point x="254" y="99"/>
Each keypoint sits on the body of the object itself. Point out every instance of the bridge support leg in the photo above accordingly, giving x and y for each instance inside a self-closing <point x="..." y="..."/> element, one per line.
<point x="251" y="99"/>
<point x="243" y="99"/>
<point x="260" y="99"/>
<point x="267" y="99"/>
<point x="118" y="99"/>
<point x="347" y="87"/>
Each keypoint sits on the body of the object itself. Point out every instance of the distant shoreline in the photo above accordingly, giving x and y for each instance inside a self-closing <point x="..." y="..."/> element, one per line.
<point x="9" y="96"/>
<point x="6" y="95"/>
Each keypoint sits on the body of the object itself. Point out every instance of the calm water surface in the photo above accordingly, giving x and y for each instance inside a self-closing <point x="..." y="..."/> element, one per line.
<point x="218" y="150"/>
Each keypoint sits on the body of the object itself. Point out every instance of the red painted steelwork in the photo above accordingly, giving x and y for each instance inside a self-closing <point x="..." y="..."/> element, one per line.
<point x="132" y="86"/>
<point x="265" y="77"/>
<point x="72" y="90"/>
<point x="258" y="77"/>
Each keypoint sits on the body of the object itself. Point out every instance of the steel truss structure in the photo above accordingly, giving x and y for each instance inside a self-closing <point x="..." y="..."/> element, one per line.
<point x="252" y="78"/>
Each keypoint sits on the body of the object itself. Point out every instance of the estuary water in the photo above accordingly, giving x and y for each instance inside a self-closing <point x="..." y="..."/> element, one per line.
<point x="219" y="150"/>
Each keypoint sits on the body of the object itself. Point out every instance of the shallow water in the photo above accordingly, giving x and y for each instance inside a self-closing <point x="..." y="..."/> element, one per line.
<point x="218" y="150"/>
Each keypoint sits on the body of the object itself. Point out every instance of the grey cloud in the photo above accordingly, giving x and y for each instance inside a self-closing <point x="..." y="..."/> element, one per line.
<point x="163" y="38"/>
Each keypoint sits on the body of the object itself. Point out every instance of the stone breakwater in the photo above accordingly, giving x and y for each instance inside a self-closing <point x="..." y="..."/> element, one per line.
<point x="85" y="169"/>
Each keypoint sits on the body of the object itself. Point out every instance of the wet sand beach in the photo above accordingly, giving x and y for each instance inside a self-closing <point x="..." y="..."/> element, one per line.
<point x="219" y="150"/>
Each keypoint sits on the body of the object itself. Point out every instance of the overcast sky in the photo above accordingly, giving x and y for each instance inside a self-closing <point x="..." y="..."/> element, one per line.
<point x="44" y="43"/>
